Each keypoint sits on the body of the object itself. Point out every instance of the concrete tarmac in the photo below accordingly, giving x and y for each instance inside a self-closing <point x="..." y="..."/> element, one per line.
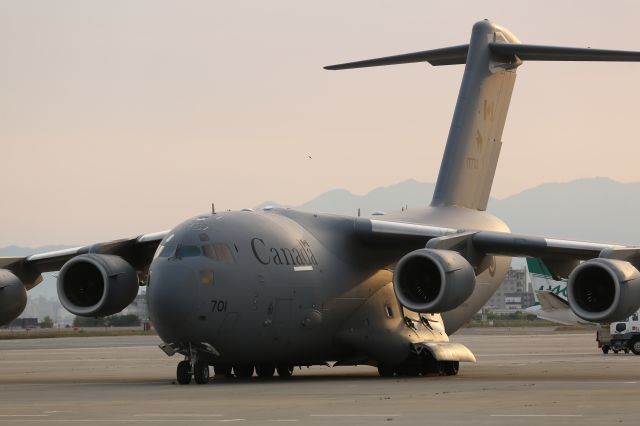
<point x="521" y="378"/>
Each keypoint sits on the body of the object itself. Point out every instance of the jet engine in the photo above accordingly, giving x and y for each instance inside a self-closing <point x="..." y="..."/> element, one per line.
<point x="429" y="280"/>
<point x="604" y="290"/>
<point x="97" y="285"/>
<point x="13" y="297"/>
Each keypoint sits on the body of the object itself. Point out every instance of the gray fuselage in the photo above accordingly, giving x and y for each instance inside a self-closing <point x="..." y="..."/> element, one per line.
<point x="287" y="286"/>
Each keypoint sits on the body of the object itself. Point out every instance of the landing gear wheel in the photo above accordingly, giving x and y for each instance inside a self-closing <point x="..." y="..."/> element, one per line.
<point x="222" y="370"/>
<point x="183" y="372"/>
<point x="605" y="349"/>
<point x="615" y="351"/>
<point x="385" y="370"/>
<point x="285" y="370"/>
<point x="243" y="371"/>
<point x="635" y="346"/>
<point x="626" y="350"/>
<point x="441" y="369"/>
<point x="265" y="370"/>
<point x="451" y="368"/>
<point x="408" y="369"/>
<point x="428" y="364"/>
<point x="201" y="373"/>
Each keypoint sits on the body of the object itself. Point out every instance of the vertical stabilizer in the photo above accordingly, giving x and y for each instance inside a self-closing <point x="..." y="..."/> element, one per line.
<point x="473" y="146"/>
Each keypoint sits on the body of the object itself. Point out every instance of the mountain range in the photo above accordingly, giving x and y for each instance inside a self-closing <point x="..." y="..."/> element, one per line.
<point x="591" y="209"/>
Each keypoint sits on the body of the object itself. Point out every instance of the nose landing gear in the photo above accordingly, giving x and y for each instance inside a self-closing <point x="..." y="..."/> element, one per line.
<point x="192" y="366"/>
<point x="183" y="372"/>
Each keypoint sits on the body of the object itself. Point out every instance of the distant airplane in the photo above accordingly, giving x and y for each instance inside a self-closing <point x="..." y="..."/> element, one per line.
<point x="551" y="295"/>
<point x="267" y="290"/>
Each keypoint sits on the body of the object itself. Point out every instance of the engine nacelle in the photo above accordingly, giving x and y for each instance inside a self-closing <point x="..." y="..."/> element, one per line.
<point x="13" y="297"/>
<point x="604" y="290"/>
<point x="429" y="280"/>
<point x="97" y="285"/>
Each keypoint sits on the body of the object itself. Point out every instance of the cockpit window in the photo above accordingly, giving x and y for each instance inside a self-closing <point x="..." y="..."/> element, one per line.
<point x="187" y="251"/>
<point x="165" y="251"/>
<point x="219" y="252"/>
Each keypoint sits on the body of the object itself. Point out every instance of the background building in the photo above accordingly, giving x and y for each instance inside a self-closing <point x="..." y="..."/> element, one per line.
<point x="514" y="294"/>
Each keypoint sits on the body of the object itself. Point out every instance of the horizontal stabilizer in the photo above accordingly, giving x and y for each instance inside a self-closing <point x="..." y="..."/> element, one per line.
<point x="532" y="52"/>
<point x="454" y="55"/>
<point x="457" y="55"/>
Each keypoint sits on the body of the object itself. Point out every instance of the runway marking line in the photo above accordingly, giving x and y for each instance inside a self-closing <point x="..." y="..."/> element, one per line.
<point x="24" y="415"/>
<point x="355" y="415"/>
<point x="87" y="421"/>
<point x="536" y="415"/>
<point x="178" y="415"/>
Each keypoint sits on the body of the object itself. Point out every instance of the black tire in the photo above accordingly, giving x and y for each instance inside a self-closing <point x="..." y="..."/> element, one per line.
<point x="408" y="369"/>
<point x="385" y="370"/>
<point x="243" y="371"/>
<point x="451" y="368"/>
<point x="222" y="370"/>
<point x="441" y="368"/>
<point x="615" y="351"/>
<point x="285" y="370"/>
<point x="605" y="349"/>
<point x="265" y="370"/>
<point x="183" y="372"/>
<point x="634" y="345"/>
<point x="201" y="373"/>
<point x="428" y="365"/>
<point x="626" y="350"/>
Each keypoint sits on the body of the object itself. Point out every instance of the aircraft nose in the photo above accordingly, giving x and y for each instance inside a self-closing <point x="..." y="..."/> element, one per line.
<point x="171" y="297"/>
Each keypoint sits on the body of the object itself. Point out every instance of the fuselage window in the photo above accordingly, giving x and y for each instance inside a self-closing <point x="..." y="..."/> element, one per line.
<point x="388" y="311"/>
<point x="206" y="278"/>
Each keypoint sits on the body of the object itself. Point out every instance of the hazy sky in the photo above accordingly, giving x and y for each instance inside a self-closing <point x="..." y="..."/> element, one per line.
<point x="124" y="117"/>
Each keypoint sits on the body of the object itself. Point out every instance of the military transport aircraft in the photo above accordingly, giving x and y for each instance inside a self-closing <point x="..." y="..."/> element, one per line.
<point x="267" y="290"/>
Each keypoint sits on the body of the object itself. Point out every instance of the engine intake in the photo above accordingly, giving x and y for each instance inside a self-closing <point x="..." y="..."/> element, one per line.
<point x="604" y="290"/>
<point x="13" y="297"/>
<point x="97" y="285"/>
<point x="429" y="280"/>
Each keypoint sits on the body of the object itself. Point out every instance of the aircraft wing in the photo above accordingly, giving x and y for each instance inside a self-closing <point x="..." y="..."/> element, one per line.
<point x="560" y="256"/>
<point x="550" y="301"/>
<point x="138" y="251"/>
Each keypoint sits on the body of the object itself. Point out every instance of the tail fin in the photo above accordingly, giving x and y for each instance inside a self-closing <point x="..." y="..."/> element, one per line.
<point x="473" y="146"/>
<point x="475" y="137"/>
<point x="542" y="279"/>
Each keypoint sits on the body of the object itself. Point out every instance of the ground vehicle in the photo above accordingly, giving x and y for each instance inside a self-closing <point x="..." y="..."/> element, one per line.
<point x="620" y="336"/>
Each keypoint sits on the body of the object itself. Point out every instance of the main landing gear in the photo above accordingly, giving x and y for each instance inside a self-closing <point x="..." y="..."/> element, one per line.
<point x="199" y="370"/>
<point x="424" y="365"/>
